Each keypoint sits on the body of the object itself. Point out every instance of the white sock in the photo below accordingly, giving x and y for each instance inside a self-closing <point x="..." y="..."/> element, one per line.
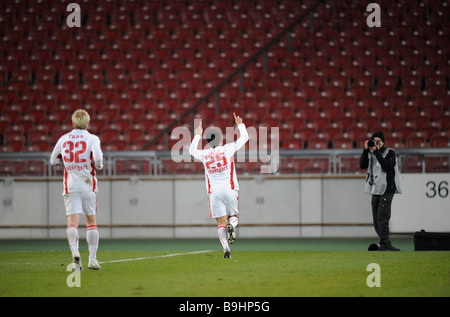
<point x="233" y="221"/>
<point x="222" y="231"/>
<point x="92" y="237"/>
<point x="72" y="238"/>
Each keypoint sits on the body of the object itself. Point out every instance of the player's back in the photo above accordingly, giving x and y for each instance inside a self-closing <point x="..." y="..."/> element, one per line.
<point x="81" y="154"/>
<point x="220" y="172"/>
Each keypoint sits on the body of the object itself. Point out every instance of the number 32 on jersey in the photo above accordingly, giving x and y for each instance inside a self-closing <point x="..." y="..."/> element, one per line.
<point x="72" y="151"/>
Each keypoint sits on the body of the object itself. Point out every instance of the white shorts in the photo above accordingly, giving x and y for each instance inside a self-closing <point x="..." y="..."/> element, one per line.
<point x="81" y="203"/>
<point x="223" y="202"/>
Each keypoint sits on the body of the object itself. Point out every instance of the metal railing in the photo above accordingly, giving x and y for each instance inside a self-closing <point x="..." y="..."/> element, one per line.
<point x="291" y="162"/>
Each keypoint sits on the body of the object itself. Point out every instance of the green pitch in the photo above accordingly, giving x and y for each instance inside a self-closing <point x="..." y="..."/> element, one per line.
<point x="258" y="268"/>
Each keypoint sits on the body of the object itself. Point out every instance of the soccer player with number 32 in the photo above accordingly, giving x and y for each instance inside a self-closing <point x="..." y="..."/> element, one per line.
<point x="81" y="155"/>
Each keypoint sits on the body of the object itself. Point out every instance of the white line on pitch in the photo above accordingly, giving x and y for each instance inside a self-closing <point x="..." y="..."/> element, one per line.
<point x="156" y="256"/>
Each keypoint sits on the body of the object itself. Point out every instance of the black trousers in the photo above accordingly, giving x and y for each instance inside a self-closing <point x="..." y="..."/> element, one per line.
<point x="381" y="213"/>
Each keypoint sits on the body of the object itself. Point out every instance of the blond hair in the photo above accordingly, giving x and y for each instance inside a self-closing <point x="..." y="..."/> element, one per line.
<point x="80" y="119"/>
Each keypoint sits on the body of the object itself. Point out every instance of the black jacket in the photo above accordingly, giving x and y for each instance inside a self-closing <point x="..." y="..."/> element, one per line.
<point x="387" y="165"/>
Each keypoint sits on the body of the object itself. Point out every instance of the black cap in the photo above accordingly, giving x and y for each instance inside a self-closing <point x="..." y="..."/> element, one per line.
<point x="380" y="135"/>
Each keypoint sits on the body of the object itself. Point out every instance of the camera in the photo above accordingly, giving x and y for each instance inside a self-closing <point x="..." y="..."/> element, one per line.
<point x="372" y="143"/>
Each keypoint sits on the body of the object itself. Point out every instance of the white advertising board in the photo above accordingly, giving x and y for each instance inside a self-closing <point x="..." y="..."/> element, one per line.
<point x="424" y="204"/>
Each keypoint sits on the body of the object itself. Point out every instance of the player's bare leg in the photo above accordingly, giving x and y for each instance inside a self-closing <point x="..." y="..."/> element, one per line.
<point x="92" y="237"/>
<point x="232" y="223"/>
<point x="72" y="238"/>
<point x="222" y="232"/>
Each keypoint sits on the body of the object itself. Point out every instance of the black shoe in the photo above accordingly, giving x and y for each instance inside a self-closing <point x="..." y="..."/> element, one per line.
<point x="231" y="233"/>
<point x="227" y="254"/>
<point x="374" y="247"/>
<point x="388" y="248"/>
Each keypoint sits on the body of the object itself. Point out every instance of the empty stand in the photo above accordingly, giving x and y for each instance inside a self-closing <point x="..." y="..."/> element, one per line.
<point x="138" y="65"/>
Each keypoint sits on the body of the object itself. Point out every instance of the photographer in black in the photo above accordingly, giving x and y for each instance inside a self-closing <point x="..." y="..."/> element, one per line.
<point x="382" y="182"/>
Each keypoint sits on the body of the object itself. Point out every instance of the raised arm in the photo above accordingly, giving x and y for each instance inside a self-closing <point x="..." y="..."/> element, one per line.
<point x="233" y="147"/>
<point x="193" y="149"/>
<point x="243" y="132"/>
<point x="237" y="119"/>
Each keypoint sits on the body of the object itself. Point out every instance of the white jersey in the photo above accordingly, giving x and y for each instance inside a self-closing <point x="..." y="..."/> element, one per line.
<point x="81" y="154"/>
<point x="220" y="172"/>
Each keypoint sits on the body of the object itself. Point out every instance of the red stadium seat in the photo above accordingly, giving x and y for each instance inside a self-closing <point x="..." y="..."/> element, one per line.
<point x="417" y="142"/>
<point x="350" y="165"/>
<point x="440" y="141"/>
<point x="145" y="55"/>
<point x="342" y="143"/>
<point x="316" y="166"/>
<point x="292" y="144"/>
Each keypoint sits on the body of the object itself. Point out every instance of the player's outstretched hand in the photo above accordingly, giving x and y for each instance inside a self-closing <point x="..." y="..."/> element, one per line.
<point x="237" y="119"/>
<point x="199" y="129"/>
